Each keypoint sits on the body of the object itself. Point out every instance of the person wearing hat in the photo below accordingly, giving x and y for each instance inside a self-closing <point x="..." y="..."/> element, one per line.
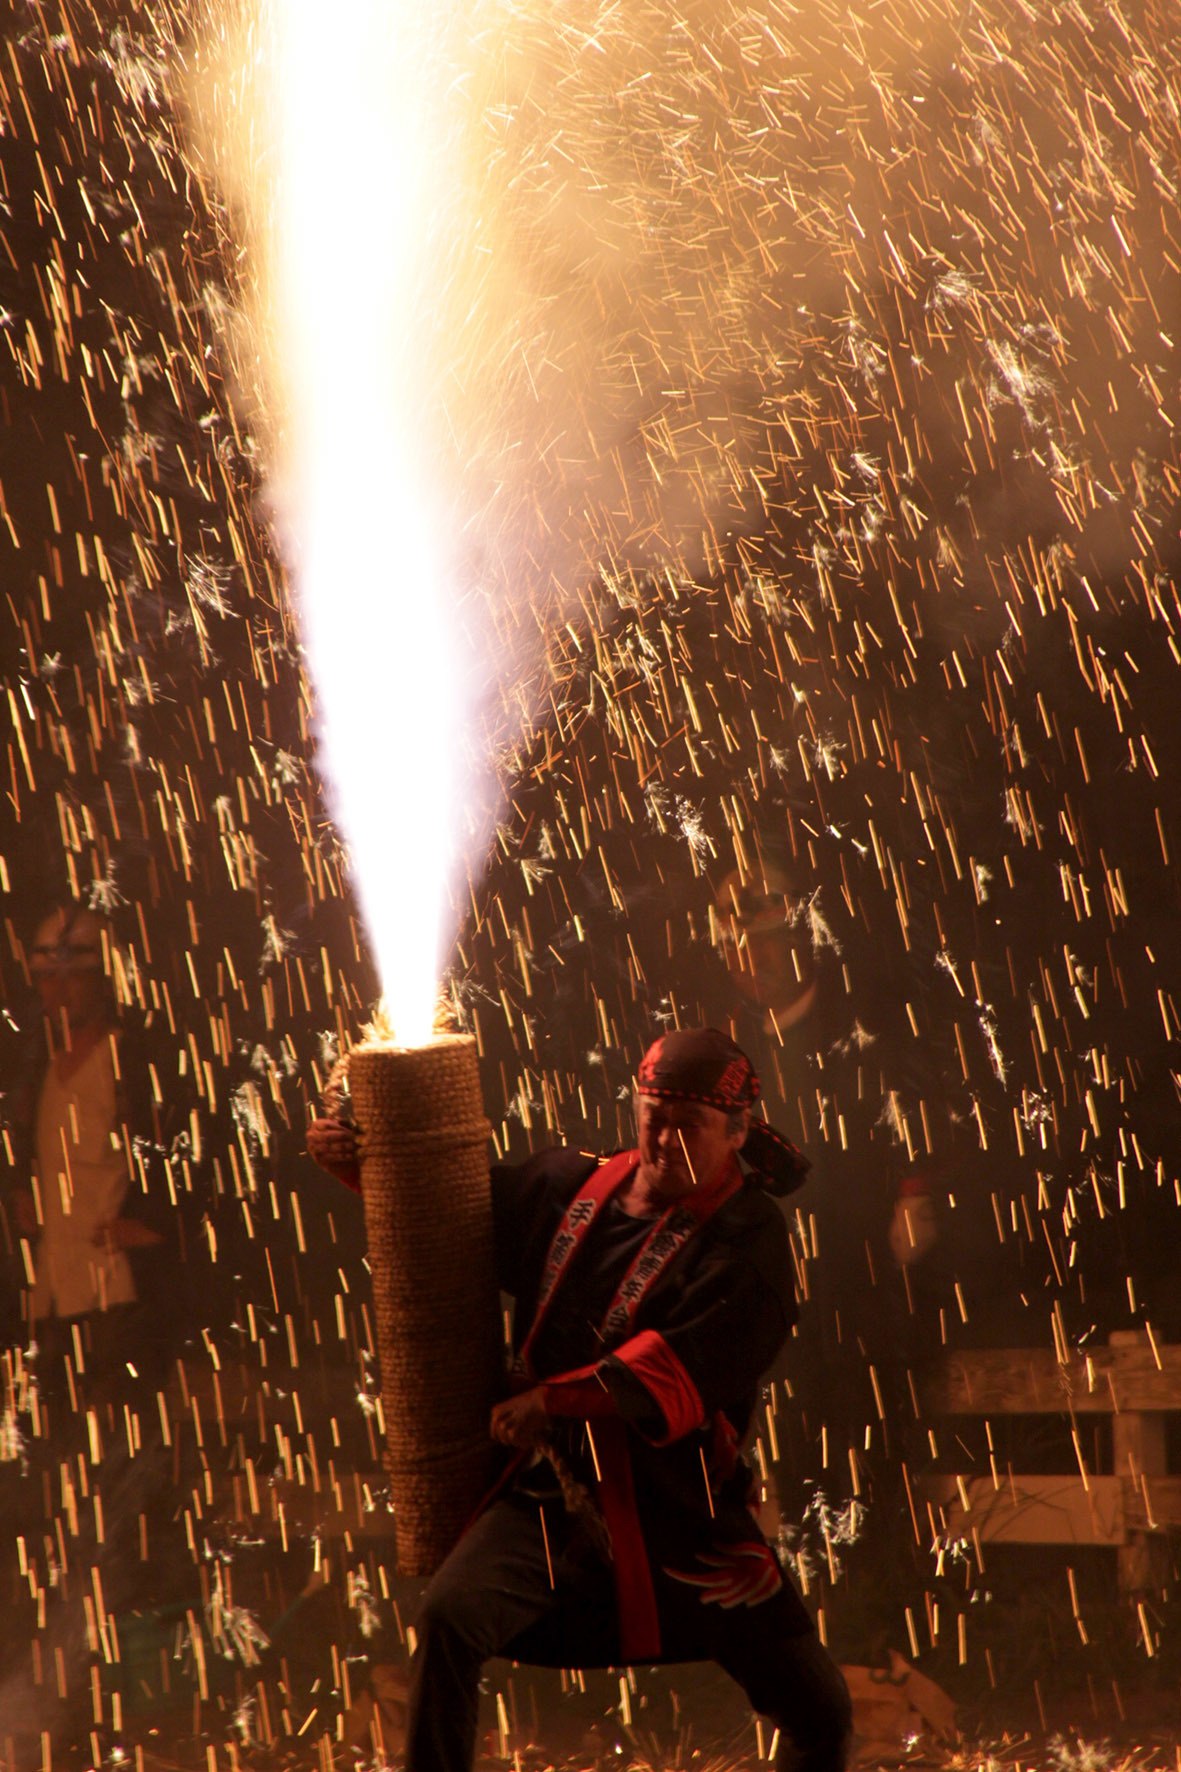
<point x="653" y="1289"/>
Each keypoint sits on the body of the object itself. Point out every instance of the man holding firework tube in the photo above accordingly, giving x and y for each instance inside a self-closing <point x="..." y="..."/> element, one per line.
<point x="652" y="1290"/>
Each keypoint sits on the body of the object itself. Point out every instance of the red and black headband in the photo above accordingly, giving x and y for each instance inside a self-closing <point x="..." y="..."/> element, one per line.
<point x="704" y="1064"/>
<point x="699" y="1064"/>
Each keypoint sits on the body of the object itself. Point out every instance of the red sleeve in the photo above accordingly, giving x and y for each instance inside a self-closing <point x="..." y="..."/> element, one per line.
<point x="583" y="1393"/>
<point x="649" y="1359"/>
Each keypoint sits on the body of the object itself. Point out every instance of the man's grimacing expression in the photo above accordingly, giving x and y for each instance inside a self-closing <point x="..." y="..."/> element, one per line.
<point x="671" y="1169"/>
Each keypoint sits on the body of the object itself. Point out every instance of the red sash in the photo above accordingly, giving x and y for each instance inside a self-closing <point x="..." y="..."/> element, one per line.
<point x="669" y="1233"/>
<point x="639" y="1621"/>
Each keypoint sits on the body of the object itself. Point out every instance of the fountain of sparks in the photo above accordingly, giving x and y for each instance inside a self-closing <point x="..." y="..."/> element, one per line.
<point x="352" y="134"/>
<point x="342" y="165"/>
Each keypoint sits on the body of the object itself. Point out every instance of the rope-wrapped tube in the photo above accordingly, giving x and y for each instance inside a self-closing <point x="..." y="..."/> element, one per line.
<point x="428" y="1215"/>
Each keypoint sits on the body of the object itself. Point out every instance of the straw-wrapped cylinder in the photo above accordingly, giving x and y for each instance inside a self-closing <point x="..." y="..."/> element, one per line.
<point x="428" y="1215"/>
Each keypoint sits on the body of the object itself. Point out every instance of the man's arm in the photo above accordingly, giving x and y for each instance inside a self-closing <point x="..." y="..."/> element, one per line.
<point x="527" y="1198"/>
<point x="711" y="1345"/>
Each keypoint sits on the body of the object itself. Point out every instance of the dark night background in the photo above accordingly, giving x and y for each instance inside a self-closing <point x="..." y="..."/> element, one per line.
<point x="925" y="676"/>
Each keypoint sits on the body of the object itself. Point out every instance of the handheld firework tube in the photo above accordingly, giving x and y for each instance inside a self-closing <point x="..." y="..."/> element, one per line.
<point x="428" y="1216"/>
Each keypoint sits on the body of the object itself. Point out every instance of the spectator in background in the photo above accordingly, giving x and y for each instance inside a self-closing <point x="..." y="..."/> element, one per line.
<point x="98" y="1225"/>
<point x="95" y="1223"/>
<point x="820" y="1052"/>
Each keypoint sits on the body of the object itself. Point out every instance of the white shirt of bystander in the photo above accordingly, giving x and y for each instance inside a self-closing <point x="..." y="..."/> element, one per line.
<point x="82" y="1180"/>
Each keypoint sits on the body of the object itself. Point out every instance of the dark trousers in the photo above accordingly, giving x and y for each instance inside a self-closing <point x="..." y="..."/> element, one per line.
<point x="493" y="1596"/>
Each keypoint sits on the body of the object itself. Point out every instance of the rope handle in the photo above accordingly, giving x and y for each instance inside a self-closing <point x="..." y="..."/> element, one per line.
<point x="579" y="1502"/>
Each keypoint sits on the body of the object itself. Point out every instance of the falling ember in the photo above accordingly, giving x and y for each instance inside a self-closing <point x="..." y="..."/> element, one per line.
<point x="346" y="194"/>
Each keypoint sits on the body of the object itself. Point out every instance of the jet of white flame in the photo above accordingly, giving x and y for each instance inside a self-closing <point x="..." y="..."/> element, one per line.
<point x="483" y="273"/>
<point x="360" y="185"/>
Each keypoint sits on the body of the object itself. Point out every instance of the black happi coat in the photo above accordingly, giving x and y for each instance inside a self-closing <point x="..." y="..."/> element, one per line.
<point x="696" y="1312"/>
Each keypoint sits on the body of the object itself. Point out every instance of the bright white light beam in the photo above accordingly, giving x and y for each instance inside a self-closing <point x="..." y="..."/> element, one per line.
<point x="361" y="194"/>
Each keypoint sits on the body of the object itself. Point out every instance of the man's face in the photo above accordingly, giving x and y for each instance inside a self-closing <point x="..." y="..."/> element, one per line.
<point x="80" y="994"/>
<point x="683" y="1145"/>
<point x="768" y="957"/>
<point x="67" y="968"/>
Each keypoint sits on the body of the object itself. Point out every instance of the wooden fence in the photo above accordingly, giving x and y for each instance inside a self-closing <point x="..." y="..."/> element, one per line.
<point x="1131" y="1508"/>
